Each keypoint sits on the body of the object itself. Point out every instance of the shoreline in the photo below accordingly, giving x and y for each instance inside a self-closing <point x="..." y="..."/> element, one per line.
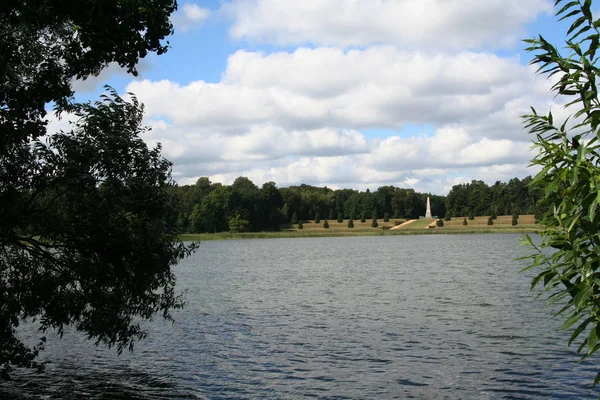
<point x="378" y="232"/>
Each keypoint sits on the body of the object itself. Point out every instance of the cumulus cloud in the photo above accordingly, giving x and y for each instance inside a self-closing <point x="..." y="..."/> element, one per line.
<point x="189" y="16"/>
<point x="298" y="117"/>
<point x="449" y="24"/>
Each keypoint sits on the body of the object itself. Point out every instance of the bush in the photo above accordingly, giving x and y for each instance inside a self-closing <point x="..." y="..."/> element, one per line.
<point x="363" y="218"/>
<point x="490" y="220"/>
<point x="493" y="215"/>
<point x="350" y="223"/>
<point x="471" y="216"/>
<point x="300" y="225"/>
<point x="386" y="217"/>
<point x="439" y="223"/>
<point x="515" y="219"/>
<point x="326" y="224"/>
<point x="340" y="218"/>
<point x="374" y="224"/>
<point x="448" y="216"/>
<point x="465" y="221"/>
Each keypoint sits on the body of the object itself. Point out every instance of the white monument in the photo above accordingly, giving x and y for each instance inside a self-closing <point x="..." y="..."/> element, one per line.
<point x="428" y="211"/>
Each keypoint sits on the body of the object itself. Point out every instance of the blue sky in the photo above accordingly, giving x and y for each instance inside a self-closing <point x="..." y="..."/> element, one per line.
<point x="344" y="93"/>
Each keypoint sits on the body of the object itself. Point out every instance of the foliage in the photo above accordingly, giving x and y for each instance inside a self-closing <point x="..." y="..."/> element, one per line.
<point x="326" y="224"/>
<point x="439" y="223"/>
<point x="350" y="223"/>
<point x="515" y="220"/>
<point x="386" y="217"/>
<point x="237" y="223"/>
<point x="363" y="218"/>
<point x="374" y="223"/>
<point x="300" y="226"/>
<point x="493" y="214"/>
<point x="471" y="216"/>
<point x="448" y="216"/>
<point x="568" y="156"/>
<point x="490" y="220"/>
<point x="87" y="223"/>
<point x="465" y="223"/>
<point x="294" y="218"/>
<point x="340" y="218"/>
<point x="317" y="218"/>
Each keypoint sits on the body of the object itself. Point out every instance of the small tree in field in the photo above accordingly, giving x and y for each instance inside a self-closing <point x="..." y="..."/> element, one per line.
<point x="448" y="216"/>
<point x="350" y="223"/>
<point x="363" y="218"/>
<point x="317" y="218"/>
<point x="294" y="218"/>
<point x="300" y="226"/>
<point x="374" y="224"/>
<point x="340" y="218"/>
<point x="386" y="217"/>
<point x="493" y="215"/>
<point x="490" y="220"/>
<point x="471" y="216"/>
<point x="326" y="224"/>
<point x="515" y="219"/>
<point x="439" y="223"/>
<point x="465" y="221"/>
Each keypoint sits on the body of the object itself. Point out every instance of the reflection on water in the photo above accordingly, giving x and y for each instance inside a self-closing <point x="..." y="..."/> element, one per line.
<point x="442" y="316"/>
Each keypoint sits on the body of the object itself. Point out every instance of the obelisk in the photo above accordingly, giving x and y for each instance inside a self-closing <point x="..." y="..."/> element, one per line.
<point x="428" y="211"/>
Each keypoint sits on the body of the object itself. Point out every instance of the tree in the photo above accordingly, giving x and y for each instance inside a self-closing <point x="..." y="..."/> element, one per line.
<point x="237" y="223"/>
<point x="286" y="212"/>
<point x="317" y="218"/>
<point x="448" y="216"/>
<point x="363" y="218"/>
<point x="471" y="216"/>
<point x="490" y="221"/>
<point x="568" y="157"/>
<point x="493" y="215"/>
<point x="465" y="221"/>
<point x="386" y="217"/>
<point x="340" y="218"/>
<point x="294" y="218"/>
<point x="300" y="226"/>
<point x="374" y="223"/>
<point x="87" y="227"/>
<point x="350" y="223"/>
<point x="326" y="224"/>
<point x="439" y="223"/>
<point x="515" y="219"/>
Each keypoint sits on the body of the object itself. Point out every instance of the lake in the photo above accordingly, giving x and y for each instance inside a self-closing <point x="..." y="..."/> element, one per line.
<point x="428" y="316"/>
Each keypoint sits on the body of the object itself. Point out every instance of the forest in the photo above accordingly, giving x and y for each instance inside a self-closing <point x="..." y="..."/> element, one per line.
<point x="243" y="206"/>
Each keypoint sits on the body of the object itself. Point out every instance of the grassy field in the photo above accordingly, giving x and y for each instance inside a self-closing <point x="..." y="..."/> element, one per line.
<point x="501" y="225"/>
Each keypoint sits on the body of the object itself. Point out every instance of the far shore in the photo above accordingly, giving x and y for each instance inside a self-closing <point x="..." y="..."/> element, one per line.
<point x="419" y="227"/>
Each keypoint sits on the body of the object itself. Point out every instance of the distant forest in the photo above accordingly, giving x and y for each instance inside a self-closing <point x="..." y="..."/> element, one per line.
<point x="243" y="206"/>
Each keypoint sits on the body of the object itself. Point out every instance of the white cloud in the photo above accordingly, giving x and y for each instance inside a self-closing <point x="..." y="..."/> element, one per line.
<point x="189" y="16"/>
<point x="450" y="24"/>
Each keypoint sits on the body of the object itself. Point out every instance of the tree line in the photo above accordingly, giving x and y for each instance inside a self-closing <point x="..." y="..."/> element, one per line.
<point x="243" y="206"/>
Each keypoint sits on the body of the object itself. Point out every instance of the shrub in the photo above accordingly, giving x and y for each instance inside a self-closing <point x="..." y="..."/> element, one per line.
<point x="326" y="224"/>
<point x="340" y="218"/>
<point x="374" y="224"/>
<point x="363" y="218"/>
<point x="300" y="225"/>
<point x="386" y="217"/>
<point x="439" y="223"/>
<point x="471" y="216"/>
<point x="515" y="219"/>
<point x="350" y="223"/>
<point x="493" y="215"/>
<point x="490" y="220"/>
<point x="465" y="221"/>
<point x="448" y="216"/>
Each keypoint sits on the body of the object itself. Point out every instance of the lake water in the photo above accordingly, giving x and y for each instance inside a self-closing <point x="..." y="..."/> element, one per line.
<point x="434" y="316"/>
